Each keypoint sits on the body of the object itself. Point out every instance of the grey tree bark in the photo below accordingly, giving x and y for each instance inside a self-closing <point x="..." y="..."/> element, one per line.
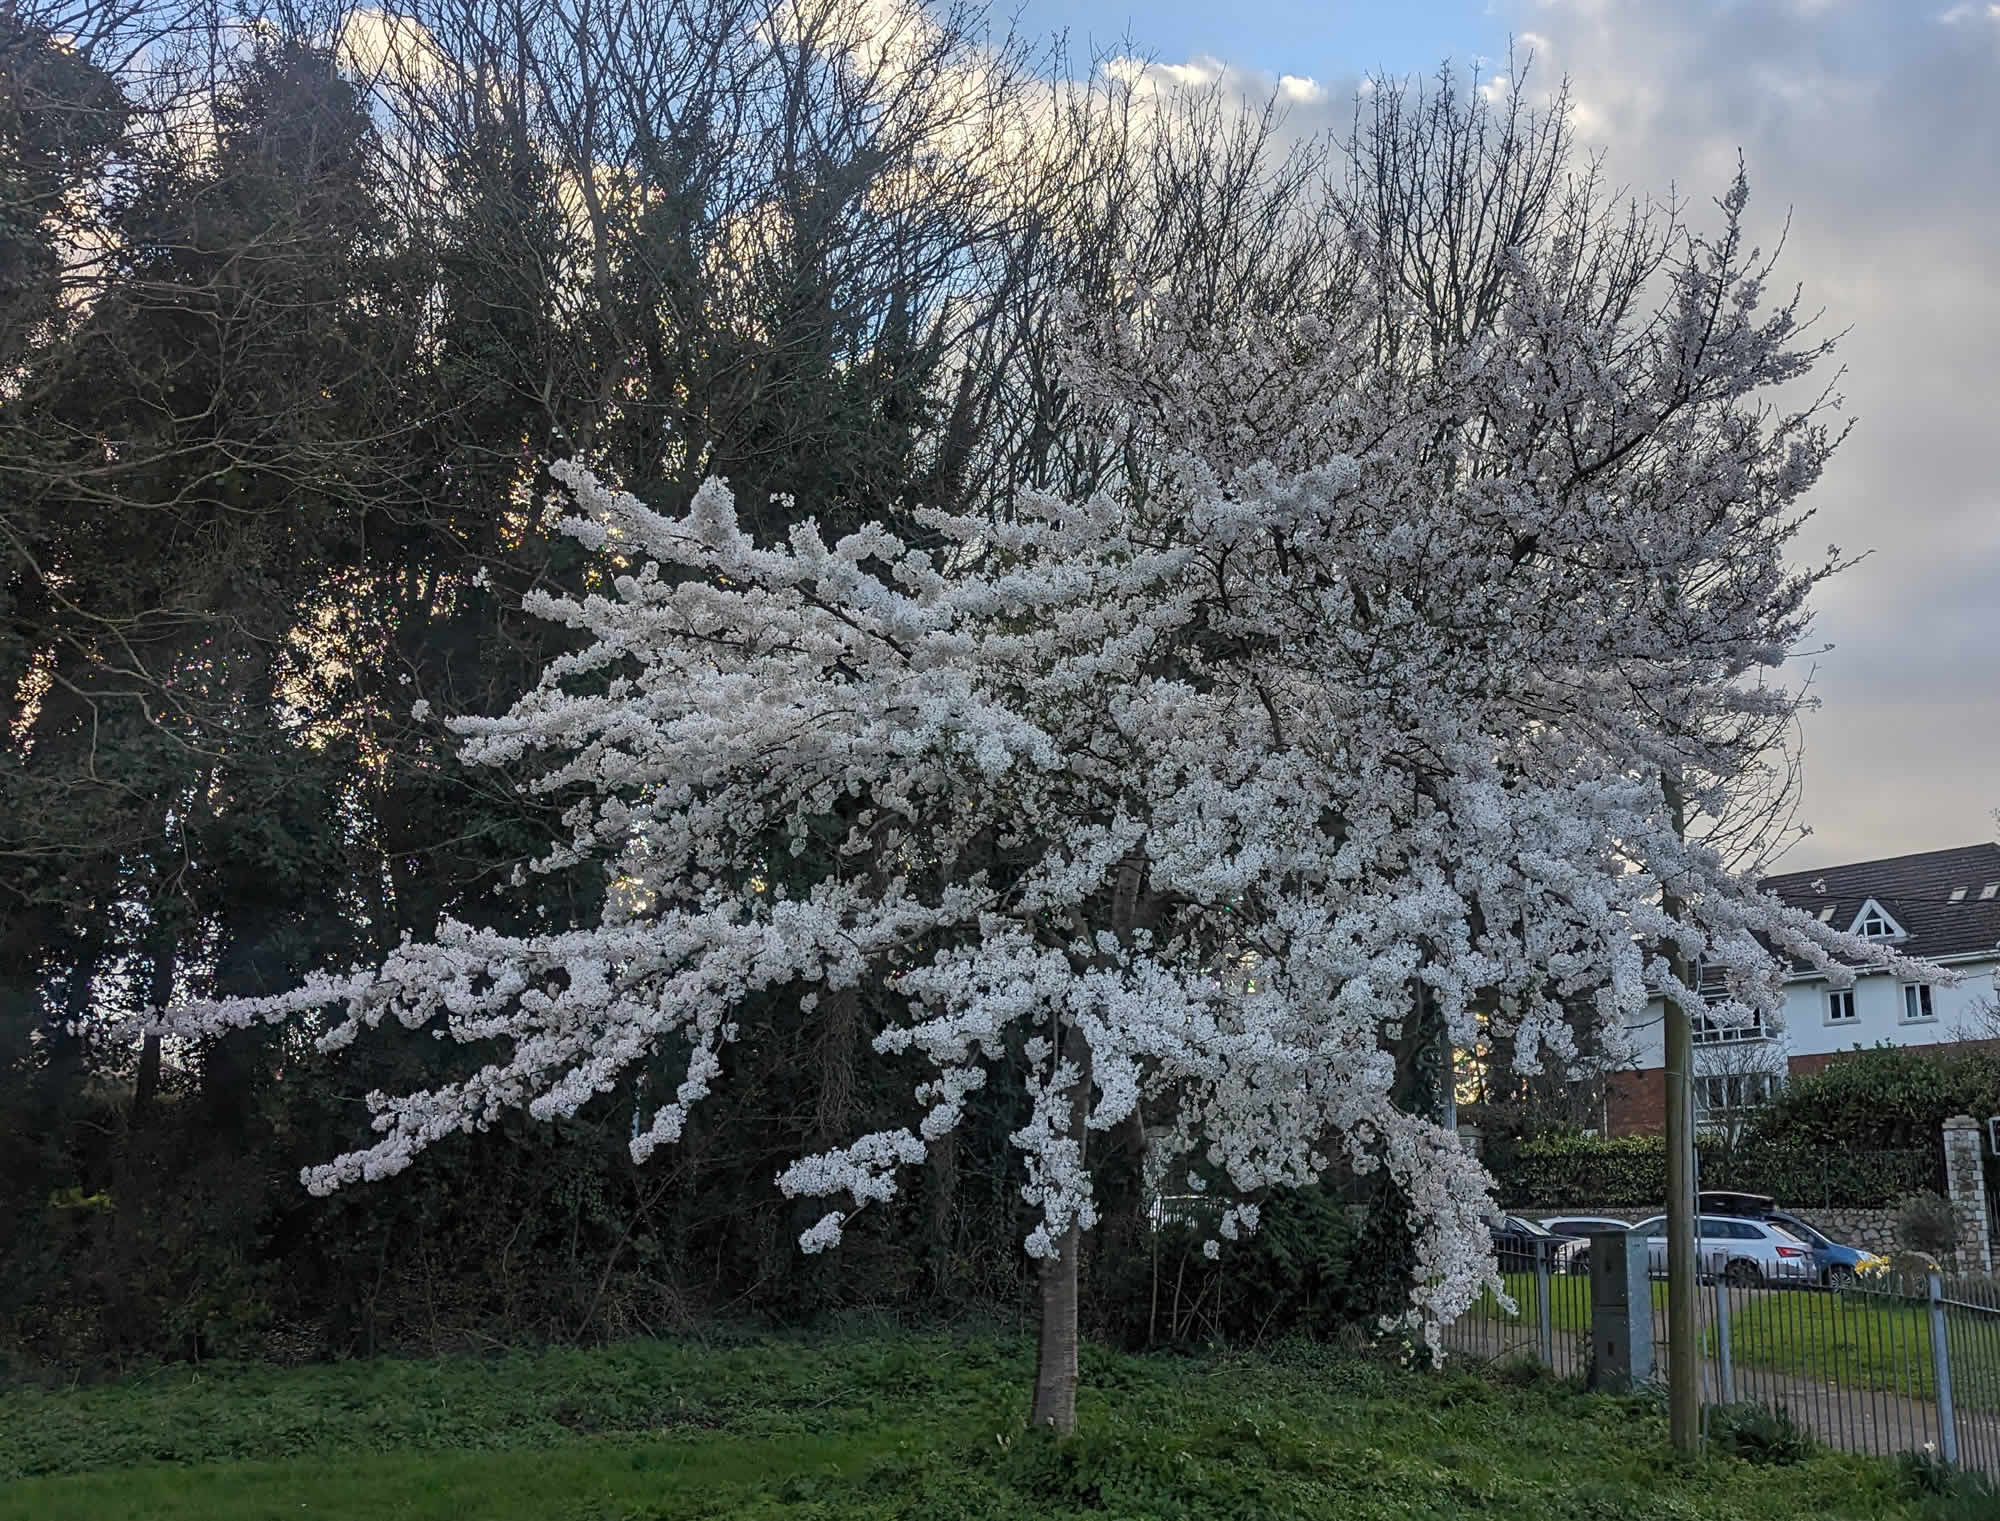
<point x="1056" y="1351"/>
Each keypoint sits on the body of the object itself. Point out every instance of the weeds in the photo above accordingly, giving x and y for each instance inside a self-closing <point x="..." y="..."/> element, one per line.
<point x="1759" y="1434"/>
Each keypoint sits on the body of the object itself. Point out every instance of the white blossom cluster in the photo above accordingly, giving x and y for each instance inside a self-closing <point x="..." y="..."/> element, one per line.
<point x="1170" y="802"/>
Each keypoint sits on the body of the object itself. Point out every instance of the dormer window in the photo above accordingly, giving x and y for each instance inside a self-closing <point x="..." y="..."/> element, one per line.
<point x="1874" y="923"/>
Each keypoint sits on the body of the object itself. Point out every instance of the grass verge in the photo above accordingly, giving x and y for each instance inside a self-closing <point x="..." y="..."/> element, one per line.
<point x="1868" y="1341"/>
<point x="845" y="1428"/>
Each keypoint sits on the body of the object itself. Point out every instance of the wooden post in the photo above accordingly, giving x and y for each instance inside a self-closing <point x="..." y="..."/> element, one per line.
<point x="1683" y="1353"/>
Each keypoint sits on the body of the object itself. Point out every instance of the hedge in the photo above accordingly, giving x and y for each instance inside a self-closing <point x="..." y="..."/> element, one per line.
<point x="1630" y="1172"/>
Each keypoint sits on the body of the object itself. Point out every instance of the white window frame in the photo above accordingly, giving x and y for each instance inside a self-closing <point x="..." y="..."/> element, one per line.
<point x="1837" y="1000"/>
<point x="1708" y="1032"/>
<point x="1884" y="926"/>
<point x="1918" y="994"/>
<point x="1731" y="1092"/>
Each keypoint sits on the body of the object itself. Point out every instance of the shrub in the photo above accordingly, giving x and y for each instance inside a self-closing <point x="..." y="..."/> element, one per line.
<point x="1630" y="1172"/>
<point x="1311" y="1269"/>
<point x="1885" y="1096"/>
<point x="1762" y="1434"/>
<point x="1927" y="1223"/>
<point x="1923" y="1472"/>
<point x="1947" y="1492"/>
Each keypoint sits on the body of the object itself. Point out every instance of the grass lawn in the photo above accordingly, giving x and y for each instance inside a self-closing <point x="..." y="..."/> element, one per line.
<point x="1868" y="1341"/>
<point x="1569" y="1300"/>
<point x="1865" y="1340"/>
<point x="891" y="1426"/>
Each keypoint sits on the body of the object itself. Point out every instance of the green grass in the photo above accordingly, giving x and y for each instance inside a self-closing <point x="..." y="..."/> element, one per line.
<point x="890" y="1426"/>
<point x="1860" y="1339"/>
<point x="1569" y="1300"/>
<point x="1869" y="1342"/>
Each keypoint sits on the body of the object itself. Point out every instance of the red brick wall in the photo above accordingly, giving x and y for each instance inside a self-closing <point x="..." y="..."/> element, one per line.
<point x="1820" y="1060"/>
<point x="1635" y="1103"/>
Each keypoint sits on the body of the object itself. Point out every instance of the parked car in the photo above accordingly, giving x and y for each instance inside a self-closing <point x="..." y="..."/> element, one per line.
<point x="1834" y="1262"/>
<point x="1519" y="1241"/>
<point x="1584" y="1225"/>
<point x="1581" y="1228"/>
<point x="1735" y="1249"/>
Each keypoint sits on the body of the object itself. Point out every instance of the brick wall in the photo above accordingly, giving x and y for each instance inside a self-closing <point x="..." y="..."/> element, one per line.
<point x="1635" y="1103"/>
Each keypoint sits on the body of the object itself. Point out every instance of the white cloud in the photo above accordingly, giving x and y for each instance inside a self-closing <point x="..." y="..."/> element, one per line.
<point x="1878" y="137"/>
<point x="1869" y="127"/>
<point x="379" y="44"/>
<point x="1144" y="76"/>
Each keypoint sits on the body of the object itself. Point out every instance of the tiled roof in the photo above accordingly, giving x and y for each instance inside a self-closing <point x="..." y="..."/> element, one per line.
<point x="1917" y="892"/>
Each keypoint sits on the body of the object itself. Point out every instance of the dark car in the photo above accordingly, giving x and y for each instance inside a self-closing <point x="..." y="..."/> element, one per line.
<point x="1834" y="1263"/>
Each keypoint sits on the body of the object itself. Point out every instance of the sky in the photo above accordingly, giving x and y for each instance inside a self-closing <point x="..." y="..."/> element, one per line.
<point x="1873" y="125"/>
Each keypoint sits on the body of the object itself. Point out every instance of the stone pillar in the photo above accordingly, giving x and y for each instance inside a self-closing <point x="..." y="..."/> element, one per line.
<point x="1965" y="1177"/>
<point x="1470" y="1138"/>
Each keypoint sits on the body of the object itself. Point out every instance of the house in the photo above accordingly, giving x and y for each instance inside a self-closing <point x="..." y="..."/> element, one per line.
<point x="1941" y="905"/>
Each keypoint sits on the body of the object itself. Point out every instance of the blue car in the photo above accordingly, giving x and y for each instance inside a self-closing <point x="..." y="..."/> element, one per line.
<point x="1834" y="1264"/>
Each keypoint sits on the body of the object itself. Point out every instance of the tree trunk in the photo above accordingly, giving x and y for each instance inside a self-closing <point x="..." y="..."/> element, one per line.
<point x="65" y="1069"/>
<point x="159" y="996"/>
<point x="1055" y="1355"/>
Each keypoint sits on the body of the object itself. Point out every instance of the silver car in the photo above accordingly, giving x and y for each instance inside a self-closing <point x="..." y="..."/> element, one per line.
<point x="1584" y="1225"/>
<point x="1741" y="1252"/>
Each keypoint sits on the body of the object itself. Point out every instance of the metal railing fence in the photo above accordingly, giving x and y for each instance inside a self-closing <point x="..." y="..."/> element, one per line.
<point x="1890" y="1363"/>
<point x="1865" y="1368"/>
<point x="1548" y="1320"/>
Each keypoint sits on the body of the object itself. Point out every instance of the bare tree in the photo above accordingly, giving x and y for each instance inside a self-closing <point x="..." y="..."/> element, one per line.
<point x="1734" y="1079"/>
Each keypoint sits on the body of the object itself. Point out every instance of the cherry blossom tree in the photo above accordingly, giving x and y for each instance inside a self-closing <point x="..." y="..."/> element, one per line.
<point x="1366" y="694"/>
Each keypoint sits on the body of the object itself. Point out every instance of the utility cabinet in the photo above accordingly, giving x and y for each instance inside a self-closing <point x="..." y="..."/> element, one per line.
<point x="1621" y="1312"/>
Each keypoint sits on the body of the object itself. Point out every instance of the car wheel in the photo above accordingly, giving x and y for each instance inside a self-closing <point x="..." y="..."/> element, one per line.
<point x="1742" y="1274"/>
<point x="1840" y="1276"/>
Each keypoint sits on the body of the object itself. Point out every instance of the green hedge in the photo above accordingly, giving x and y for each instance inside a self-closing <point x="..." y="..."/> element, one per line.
<point x="1630" y="1172"/>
